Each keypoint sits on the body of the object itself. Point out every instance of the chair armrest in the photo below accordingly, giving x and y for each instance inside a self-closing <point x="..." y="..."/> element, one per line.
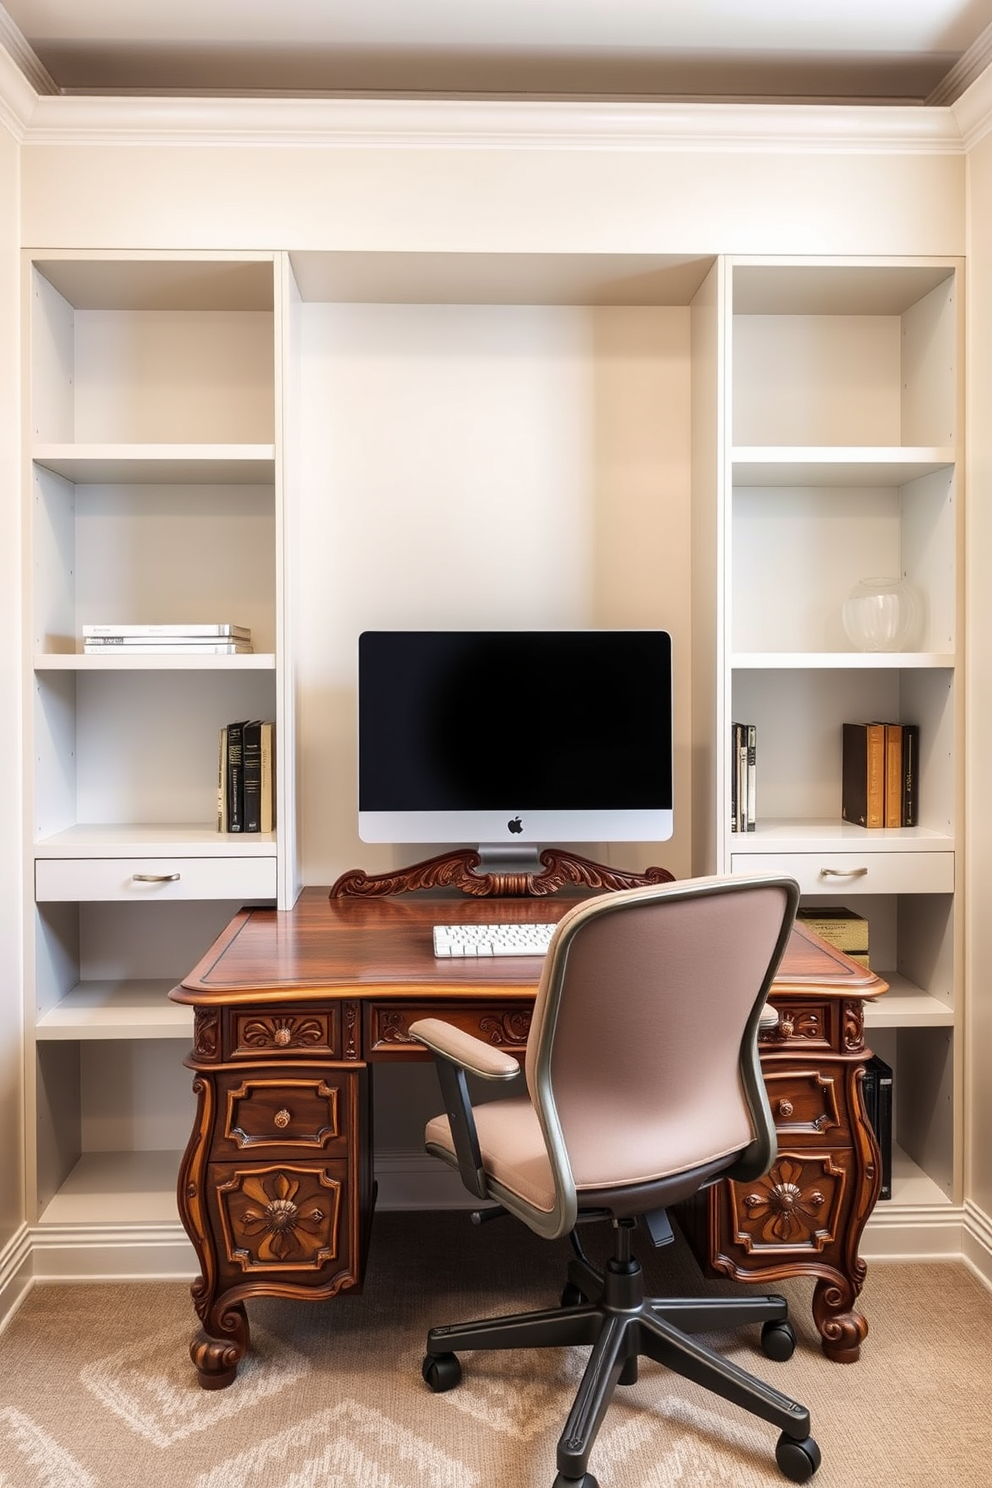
<point x="464" y="1049"/>
<point x="455" y="1053"/>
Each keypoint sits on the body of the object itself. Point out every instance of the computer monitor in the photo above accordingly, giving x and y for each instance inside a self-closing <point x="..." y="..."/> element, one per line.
<point x="506" y="738"/>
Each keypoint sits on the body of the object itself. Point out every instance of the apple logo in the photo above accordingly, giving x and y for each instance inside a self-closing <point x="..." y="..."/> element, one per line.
<point x="515" y="826"/>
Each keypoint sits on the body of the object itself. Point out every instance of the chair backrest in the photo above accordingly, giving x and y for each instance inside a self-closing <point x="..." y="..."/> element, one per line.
<point x="642" y="1057"/>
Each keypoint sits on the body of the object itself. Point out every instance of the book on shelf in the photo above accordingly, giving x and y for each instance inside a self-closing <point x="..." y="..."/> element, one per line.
<point x="234" y="787"/>
<point x="206" y="631"/>
<point x="839" y="927"/>
<point x="267" y="807"/>
<point x="910" y="773"/>
<point x="246" y="777"/>
<point x="107" y="646"/>
<point x="743" y="777"/>
<point x="879" y="772"/>
<point x="222" y="782"/>
<point x="251" y="749"/>
<point x="876" y="1090"/>
<point x="863" y="774"/>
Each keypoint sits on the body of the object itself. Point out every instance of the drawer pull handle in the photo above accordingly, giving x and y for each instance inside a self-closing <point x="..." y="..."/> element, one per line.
<point x="282" y="1119"/>
<point x="843" y="872"/>
<point x="785" y="1108"/>
<point x="155" y="877"/>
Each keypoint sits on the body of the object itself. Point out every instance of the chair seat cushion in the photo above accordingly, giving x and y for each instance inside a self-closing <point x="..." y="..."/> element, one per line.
<point x="515" y="1156"/>
<point x="512" y="1146"/>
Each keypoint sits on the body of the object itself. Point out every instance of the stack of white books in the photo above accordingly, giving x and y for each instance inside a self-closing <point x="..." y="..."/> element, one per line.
<point x="199" y="639"/>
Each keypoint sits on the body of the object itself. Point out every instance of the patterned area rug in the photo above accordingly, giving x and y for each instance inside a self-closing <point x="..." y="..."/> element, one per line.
<point x="96" y="1388"/>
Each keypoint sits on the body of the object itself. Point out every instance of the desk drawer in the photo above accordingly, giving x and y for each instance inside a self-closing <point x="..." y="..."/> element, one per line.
<point x="142" y="879"/>
<point x="856" y="872"/>
<point x="286" y="1110"/>
<point x="387" y="1025"/>
<point x="808" y="1105"/>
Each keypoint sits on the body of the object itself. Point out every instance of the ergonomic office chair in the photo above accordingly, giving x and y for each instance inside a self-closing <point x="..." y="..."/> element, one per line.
<point x="643" y="1086"/>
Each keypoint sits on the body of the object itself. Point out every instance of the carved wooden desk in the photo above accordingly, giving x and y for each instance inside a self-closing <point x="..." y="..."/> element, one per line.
<point x="294" y="1008"/>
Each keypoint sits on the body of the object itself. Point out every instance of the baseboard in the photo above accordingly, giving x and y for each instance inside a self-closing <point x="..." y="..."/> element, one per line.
<point x="15" y="1274"/>
<point x="412" y="1180"/>
<point x="125" y="1252"/>
<point x="978" y="1241"/>
<point x="913" y="1232"/>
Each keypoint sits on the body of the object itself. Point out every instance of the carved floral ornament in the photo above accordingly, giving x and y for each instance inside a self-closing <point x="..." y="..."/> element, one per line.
<point x="289" y="1220"/>
<point x="786" y="1207"/>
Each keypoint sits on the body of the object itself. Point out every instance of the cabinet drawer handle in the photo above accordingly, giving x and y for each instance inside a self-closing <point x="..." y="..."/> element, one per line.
<point x="843" y="872"/>
<point x="282" y="1119"/>
<point x="154" y="877"/>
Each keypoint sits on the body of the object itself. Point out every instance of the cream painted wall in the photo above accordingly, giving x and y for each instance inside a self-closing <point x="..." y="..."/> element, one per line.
<point x="978" y="874"/>
<point x="483" y="466"/>
<point x="11" y="1074"/>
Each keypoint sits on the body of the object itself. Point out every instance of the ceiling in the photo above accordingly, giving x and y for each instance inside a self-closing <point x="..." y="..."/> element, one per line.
<point x="834" y="51"/>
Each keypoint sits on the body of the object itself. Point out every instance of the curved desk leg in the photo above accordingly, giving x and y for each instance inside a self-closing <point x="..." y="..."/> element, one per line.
<point x="222" y="1340"/>
<point x="842" y="1329"/>
<point x="221" y="1344"/>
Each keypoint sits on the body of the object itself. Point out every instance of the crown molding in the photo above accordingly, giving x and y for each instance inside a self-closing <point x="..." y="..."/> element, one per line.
<point x="476" y="124"/>
<point x="18" y="95"/>
<point x="965" y="71"/>
<point x="973" y="111"/>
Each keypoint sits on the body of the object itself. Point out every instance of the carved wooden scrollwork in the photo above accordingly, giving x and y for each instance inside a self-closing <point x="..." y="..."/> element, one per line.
<point x="509" y="1028"/>
<point x="206" y="1034"/>
<point x="459" y="870"/>
<point x="283" y="1031"/>
<point x="853" y="1025"/>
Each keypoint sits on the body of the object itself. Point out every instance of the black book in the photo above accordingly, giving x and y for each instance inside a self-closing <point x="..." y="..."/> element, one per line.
<point x="910" y="774"/>
<point x="877" y="1089"/>
<point x="235" y="777"/>
<point x="251" y="756"/>
<point x="863" y="774"/>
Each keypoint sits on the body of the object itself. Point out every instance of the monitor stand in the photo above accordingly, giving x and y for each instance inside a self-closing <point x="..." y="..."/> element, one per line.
<point x="498" y="872"/>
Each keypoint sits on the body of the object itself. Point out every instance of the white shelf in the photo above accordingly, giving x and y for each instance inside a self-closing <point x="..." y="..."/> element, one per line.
<point x="905" y="1005"/>
<point x="840" y="660"/>
<point x="784" y="465"/>
<point x="833" y="836"/>
<point x="117" y="1010"/>
<point x="911" y="1186"/>
<point x="159" y="464"/>
<point x="191" y="840"/>
<point x="117" y="1187"/>
<point x="75" y="661"/>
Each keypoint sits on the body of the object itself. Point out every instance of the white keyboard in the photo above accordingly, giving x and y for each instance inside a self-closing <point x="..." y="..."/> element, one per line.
<point x="492" y="940"/>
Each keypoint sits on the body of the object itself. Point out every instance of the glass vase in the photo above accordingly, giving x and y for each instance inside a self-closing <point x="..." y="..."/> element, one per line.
<point x="883" y="614"/>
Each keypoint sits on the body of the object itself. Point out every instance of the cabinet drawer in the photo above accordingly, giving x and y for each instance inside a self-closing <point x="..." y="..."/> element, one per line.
<point x="856" y="872"/>
<point x="140" y="879"/>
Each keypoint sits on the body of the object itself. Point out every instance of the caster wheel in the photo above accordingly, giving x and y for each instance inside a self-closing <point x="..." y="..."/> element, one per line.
<point x="778" y="1340"/>
<point x="586" y="1481"/>
<point x="798" y="1460"/>
<point x="572" y="1297"/>
<point x="441" y="1372"/>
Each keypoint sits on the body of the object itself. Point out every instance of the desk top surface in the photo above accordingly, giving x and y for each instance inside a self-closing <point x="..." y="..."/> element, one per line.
<point x="383" y="948"/>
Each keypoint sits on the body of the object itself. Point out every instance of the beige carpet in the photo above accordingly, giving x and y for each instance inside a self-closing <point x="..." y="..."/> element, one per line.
<point x="96" y="1389"/>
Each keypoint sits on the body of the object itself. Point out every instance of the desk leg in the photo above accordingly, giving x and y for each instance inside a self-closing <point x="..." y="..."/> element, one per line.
<point x="222" y="1340"/>
<point x="221" y="1344"/>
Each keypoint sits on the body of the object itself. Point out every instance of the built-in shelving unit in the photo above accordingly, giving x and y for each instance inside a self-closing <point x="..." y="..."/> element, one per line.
<point x="154" y="494"/>
<point x="840" y="404"/>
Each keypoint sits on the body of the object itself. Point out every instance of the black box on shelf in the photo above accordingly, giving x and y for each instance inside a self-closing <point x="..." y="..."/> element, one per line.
<point x="877" y="1088"/>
